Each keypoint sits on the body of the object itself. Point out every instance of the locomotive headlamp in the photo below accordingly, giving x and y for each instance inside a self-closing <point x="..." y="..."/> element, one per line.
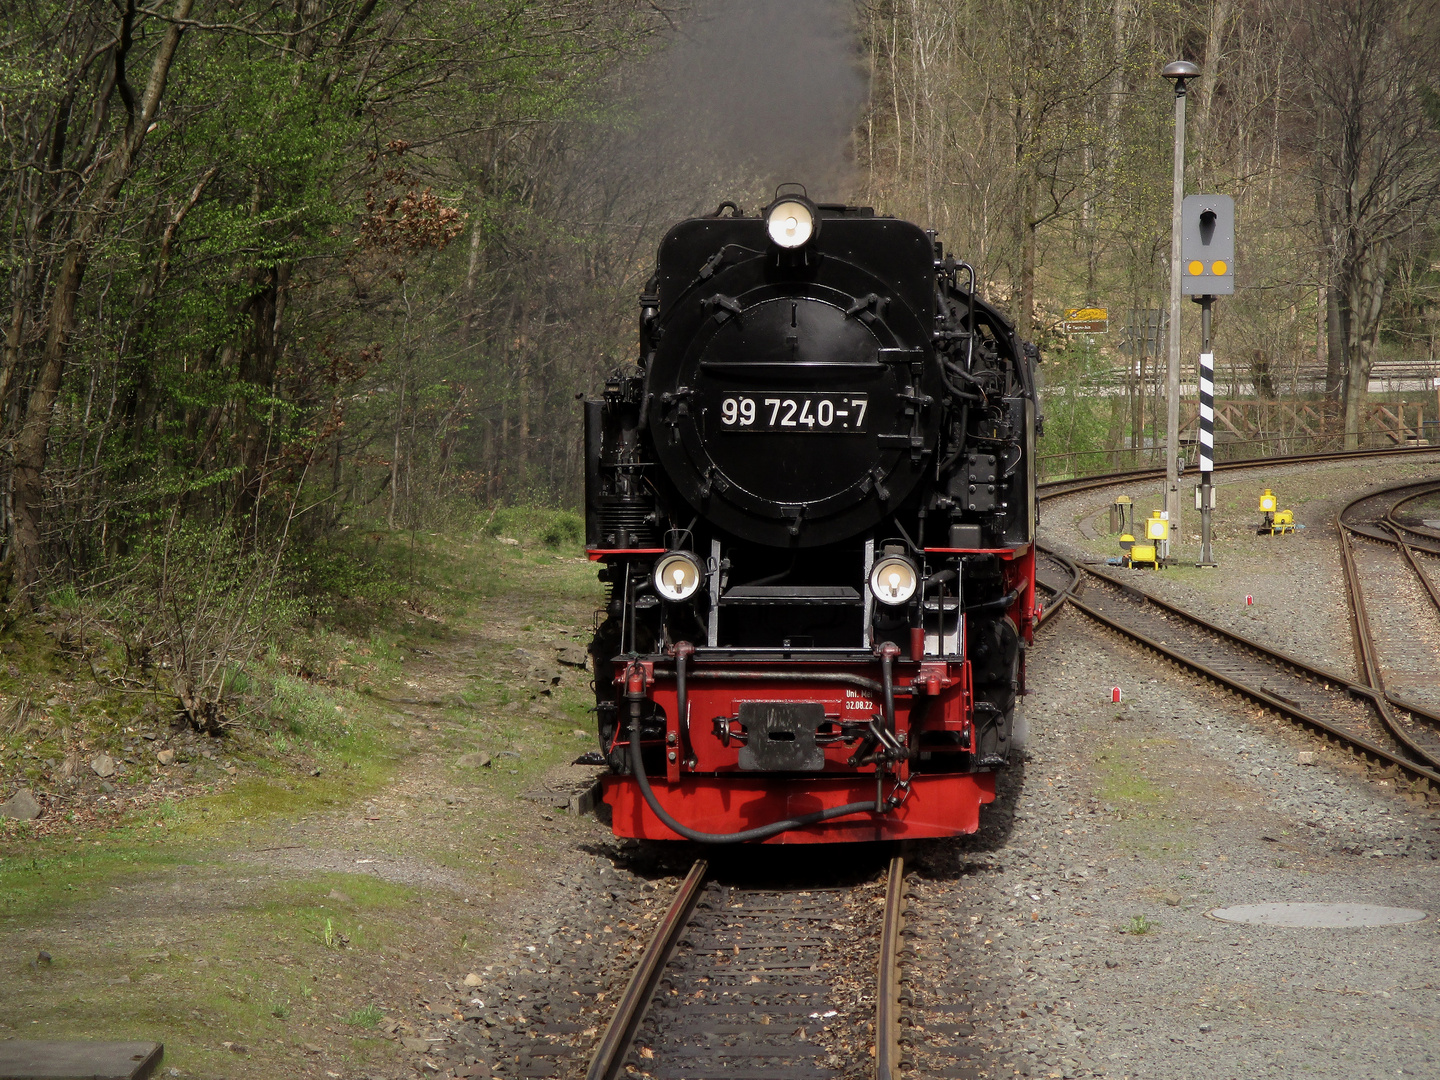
<point x="893" y="579"/>
<point x="791" y="222"/>
<point x="678" y="575"/>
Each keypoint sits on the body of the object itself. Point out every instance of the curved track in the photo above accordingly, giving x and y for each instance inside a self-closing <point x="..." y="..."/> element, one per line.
<point x="1367" y="529"/>
<point x="1324" y="701"/>
<point x="740" y="982"/>
<point x="1361" y="715"/>
<point x="1055" y="488"/>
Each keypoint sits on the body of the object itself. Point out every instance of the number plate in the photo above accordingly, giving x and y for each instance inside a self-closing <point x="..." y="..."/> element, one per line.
<point x="801" y="413"/>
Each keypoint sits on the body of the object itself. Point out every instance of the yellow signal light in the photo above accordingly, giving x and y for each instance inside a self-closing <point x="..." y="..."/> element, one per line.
<point x="1196" y="268"/>
<point x="1218" y="268"/>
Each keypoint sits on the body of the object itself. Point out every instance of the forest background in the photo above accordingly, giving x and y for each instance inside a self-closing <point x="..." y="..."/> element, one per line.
<point x="285" y="277"/>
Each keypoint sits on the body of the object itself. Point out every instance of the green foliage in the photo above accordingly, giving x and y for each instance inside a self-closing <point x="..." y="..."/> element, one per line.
<point x="306" y="711"/>
<point x="1080" y="419"/>
<point x="367" y="1016"/>
<point x="535" y="524"/>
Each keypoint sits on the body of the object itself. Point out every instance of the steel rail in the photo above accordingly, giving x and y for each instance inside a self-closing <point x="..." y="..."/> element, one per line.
<point x="1366" y="652"/>
<point x="1058" y="595"/>
<point x="1425" y="487"/>
<point x="1417" y="770"/>
<point x="1397" y="528"/>
<point x="1431" y="537"/>
<point x="608" y="1062"/>
<point x="1409" y="552"/>
<point x="1377" y="529"/>
<point x="887" y="994"/>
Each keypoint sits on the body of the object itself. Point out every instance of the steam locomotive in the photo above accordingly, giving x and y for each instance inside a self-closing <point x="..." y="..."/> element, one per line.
<point x="813" y="503"/>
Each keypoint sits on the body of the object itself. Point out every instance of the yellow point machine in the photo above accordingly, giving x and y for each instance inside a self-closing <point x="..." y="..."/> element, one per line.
<point x="1277" y="522"/>
<point x="1157" y="531"/>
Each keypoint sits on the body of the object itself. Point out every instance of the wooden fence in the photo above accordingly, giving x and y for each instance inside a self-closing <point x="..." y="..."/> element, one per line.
<point x="1251" y="429"/>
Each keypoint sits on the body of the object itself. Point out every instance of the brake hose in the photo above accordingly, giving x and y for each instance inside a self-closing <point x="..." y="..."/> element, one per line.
<point x="762" y="832"/>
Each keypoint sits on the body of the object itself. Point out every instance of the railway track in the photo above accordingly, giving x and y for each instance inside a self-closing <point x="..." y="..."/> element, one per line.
<point x="1057" y="488"/>
<point x="1327" y="702"/>
<point x="1369" y="533"/>
<point x="1411" y="525"/>
<point x="1364" y="715"/>
<point x="755" y="983"/>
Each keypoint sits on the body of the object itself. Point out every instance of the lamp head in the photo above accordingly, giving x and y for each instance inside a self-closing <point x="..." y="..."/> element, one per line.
<point x="791" y="220"/>
<point x="1180" y="70"/>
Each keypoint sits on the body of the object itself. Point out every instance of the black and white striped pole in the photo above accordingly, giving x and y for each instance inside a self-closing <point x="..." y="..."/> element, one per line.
<point x="1208" y="254"/>
<point x="1205" y="493"/>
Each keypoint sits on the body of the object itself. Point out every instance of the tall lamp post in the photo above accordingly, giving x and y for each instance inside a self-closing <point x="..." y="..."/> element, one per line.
<point x="1178" y="71"/>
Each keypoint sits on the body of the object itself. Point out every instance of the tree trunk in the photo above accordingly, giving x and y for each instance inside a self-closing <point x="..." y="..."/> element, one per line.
<point x="1025" y="316"/>
<point x="395" y="456"/>
<point x="467" y="307"/>
<point x="1367" y="296"/>
<point x="1337" y="331"/>
<point x="32" y="441"/>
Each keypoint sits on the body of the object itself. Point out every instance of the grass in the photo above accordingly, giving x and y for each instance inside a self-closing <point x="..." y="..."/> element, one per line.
<point x="1139" y="925"/>
<point x="1122" y="778"/>
<point x="1149" y="823"/>
<point x="367" y="1016"/>
<point x="265" y="960"/>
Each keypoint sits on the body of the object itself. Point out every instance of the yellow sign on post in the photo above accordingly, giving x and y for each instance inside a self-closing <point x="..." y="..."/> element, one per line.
<point x="1089" y="320"/>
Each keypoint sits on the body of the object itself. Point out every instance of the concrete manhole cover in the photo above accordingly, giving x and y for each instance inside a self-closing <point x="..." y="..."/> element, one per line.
<point x="1316" y="915"/>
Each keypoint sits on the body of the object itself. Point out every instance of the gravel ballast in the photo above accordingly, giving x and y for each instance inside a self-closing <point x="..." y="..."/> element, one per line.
<point x="1089" y="893"/>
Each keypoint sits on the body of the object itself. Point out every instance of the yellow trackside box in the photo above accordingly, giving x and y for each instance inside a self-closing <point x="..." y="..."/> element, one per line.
<point x="1144" y="555"/>
<point x="1276" y="522"/>
<point x="1156" y="527"/>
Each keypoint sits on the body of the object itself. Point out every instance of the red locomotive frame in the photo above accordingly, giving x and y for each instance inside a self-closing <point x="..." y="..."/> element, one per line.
<point x="704" y="787"/>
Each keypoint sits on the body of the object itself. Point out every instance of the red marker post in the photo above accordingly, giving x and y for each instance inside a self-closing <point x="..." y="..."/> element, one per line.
<point x="1115" y="695"/>
<point x="1249" y="600"/>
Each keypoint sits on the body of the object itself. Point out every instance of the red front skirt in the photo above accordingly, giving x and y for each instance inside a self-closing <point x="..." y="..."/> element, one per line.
<point x="938" y="804"/>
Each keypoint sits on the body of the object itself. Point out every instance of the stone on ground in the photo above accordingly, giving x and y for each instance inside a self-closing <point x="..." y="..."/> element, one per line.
<point x="21" y="806"/>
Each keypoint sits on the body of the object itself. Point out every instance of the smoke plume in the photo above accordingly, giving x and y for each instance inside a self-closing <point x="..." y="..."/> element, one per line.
<point x="759" y="92"/>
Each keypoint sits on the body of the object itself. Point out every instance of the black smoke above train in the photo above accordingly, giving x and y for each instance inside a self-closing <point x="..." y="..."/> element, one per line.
<point x="821" y="397"/>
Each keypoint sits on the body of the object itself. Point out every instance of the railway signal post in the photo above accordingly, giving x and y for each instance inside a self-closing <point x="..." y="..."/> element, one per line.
<point x="1208" y="255"/>
<point x="1178" y="72"/>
